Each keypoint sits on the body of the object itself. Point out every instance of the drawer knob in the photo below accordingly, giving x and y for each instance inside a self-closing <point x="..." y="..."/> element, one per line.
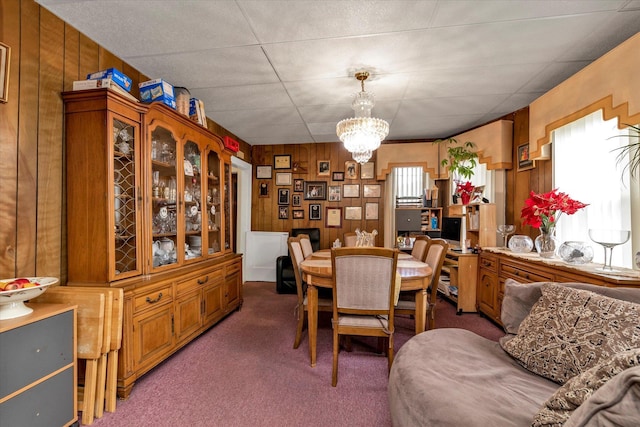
<point x="203" y="281"/>
<point x="153" y="301"/>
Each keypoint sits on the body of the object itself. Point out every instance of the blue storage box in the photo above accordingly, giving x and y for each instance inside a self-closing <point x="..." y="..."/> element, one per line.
<point x="157" y="90"/>
<point x="113" y="74"/>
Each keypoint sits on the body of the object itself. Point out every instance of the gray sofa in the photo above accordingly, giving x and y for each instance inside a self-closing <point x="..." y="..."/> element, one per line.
<point x="453" y="377"/>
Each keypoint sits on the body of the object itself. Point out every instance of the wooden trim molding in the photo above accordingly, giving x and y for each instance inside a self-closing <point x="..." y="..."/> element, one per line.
<point x="610" y="83"/>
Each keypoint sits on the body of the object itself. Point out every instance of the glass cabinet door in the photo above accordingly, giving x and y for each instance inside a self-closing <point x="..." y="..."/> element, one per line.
<point x="227" y="206"/>
<point x="192" y="201"/>
<point x="125" y="206"/>
<point x="214" y="214"/>
<point x="164" y="188"/>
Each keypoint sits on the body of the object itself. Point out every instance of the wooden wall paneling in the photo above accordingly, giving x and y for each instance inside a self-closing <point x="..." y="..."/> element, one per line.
<point x="136" y="78"/>
<point x="71" y="57"/>
<point x="106" y="59"/>
<point x="28" y="119"/>
<point x="89" y="56"/>
<point x="9" y="34"/>
<point x="50" y="146"/>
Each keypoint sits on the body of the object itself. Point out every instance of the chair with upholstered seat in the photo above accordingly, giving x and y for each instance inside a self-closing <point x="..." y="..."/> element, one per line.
<point x="435" y="255"/>
<point x="350" y="240"/>
<point x="419" y="250"/>
<point x="363" y="296"/>
<point x="305" y="243"/>
<point x="324" y="304"/>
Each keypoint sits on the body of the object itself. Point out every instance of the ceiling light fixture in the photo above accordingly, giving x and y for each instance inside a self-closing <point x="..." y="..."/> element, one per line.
<point x="362" y="134"/>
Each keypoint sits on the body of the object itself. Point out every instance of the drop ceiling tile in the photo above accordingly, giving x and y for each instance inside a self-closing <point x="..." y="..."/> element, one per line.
<point x="248" y="97"/>
<point x="552" y="75"/>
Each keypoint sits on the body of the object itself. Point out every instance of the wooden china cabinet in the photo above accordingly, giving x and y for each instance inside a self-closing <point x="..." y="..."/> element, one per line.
<point x="148" y="210"/>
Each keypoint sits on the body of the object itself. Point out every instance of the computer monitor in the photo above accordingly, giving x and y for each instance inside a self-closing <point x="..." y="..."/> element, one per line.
<point x="451" y="229"/>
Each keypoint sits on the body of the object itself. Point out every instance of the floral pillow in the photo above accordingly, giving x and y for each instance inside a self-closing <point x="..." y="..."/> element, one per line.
<point x="569" y="331"/>
<point x="562" y="404"/>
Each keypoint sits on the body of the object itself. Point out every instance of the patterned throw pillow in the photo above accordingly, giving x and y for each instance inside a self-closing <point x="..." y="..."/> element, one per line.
<point x="569" y="331"/>
<point x="560" y="406"/>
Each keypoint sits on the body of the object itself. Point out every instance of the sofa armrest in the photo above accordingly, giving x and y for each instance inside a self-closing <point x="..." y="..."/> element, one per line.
<point x="285" y="277"/>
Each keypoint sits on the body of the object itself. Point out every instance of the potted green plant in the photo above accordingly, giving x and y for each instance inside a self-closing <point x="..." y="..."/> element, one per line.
<point x="629" y="155"/>
<point x="460" y="160"/>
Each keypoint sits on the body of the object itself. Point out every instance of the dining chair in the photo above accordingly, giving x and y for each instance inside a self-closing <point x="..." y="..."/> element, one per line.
<point x="305" y="243"/>
<point x="435" y="255"/>
<point x="363" y="296"/>
<point x="419" y="250"/>
<point x="324" y="304"/>
<point x="350" y="240"/>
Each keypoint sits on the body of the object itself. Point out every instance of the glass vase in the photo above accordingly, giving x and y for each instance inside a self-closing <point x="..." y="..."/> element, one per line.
<point x="546" y="243"/>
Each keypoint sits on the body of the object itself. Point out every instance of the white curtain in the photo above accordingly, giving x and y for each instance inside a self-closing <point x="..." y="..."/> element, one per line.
<point x="585" y="167"/>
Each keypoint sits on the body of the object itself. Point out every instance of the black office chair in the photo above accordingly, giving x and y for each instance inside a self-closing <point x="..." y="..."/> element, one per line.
<point x="285" y="277"/>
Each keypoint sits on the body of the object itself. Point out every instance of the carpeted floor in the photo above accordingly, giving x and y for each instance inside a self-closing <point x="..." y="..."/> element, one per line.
<point x="245" y="372"/>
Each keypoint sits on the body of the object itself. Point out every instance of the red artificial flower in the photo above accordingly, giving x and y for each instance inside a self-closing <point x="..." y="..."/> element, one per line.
<point x="467" y="188"/>
<point x="543" y="210"/>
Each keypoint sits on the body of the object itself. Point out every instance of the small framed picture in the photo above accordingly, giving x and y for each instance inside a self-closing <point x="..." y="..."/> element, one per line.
<point x="334" y="193"/>
<point x="367" y="171"/>
<point x="351" y="169"/>
<point x="282" y="161"/>
<point x="351" y="190"/>
<point x="5" y="61"/>
<point x="371" y="211"/>
<point x="296" y="200"/>
<point x="298" y="185"/>
<point x="298" y="214"/>
<point x="371" y="190"/>
<point x="264" y="189"/>
<point x="283" y="212"/>
<point x="524" y="159"/>
<point x="334" y="218"/>
<point x="283" y="196"/>
<point x="283" y="178"/>
<point x="323" y="167"/>
<point x="315" y="214"/>
<point x="353" y="212"/>
<point x="263" y="172"/>
<point x="315" y="190"/>
<point x="338" y="176"/>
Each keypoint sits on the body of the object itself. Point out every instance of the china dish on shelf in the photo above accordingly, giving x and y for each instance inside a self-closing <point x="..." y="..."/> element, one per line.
<point x="520" y="243"/>
<point x="574" y="252"/>
<point x="12" y="301"/>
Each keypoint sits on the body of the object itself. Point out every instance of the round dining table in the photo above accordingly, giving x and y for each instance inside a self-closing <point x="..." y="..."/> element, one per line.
<point x="316" y="272"/>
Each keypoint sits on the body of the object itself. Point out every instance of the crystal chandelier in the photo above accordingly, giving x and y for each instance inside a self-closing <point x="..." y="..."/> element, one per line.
<point x="362" y="134"/>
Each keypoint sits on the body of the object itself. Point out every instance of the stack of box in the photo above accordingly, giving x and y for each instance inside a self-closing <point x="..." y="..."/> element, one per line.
<point x="110" y="78"/>
<point x="196" y="112"/>
<point x="157" y="90"/>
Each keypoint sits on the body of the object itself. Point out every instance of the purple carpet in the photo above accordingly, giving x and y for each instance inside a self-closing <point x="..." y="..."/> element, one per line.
<point x="245" y="372"/>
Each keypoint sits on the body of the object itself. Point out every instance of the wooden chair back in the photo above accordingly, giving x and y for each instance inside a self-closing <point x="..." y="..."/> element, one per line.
<point x="297" y="256"/>
<point x="436" y="253"/>
<point x="419" y="250"/>
<point x="350" y="240"/>
<point x="305" y="243"/>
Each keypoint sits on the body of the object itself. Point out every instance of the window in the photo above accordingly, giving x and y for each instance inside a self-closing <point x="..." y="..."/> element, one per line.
<point x="409" y="181"/>
<point x="585" y="167"/>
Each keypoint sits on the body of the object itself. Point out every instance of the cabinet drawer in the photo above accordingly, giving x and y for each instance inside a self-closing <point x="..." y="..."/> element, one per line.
<point x="49" y="403"/>
<point x="153" y="298"/>
<point x="206" y="278"/>
<point x="489" y="262"/>
<point x="233" y="268"/>
<point x="517" y="272"/>
<point x="32" y="351"/>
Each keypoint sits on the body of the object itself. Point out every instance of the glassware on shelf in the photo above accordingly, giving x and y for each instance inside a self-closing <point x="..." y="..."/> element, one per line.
<point x="574" y="252"/>
<point x="609" y="239"/>
<point x="505" y="230"/>
<point x="520" y="243"/>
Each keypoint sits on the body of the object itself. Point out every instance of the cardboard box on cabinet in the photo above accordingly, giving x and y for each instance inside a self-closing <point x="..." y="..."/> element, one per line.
<point x="157" y="90"/>
<point x="114" y="74"/>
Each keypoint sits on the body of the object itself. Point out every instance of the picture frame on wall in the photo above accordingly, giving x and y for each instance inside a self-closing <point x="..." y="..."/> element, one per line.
<point x="334" y="193"/>
<point x="524" y="159"/>
<point x="282" y="161"/>
<point x="351" y="169"/>
<point x="351" y="190"/>
<point x="263" y="172"/>
<point x="283" y="196"/>
<point x="264" y="189"/>
<point x="283" y="178"/>
<point x="315" y="190"/>
<point x="324" y="167"/>
<point x="353" y="213"/>
<point x="371" y="190"/>
<point x="283" y="212"/>
<point x="315" y="213"/>
<point x="298" y="185"/>
<point x="5" y="62"/>
<point x="296" y="200"/>
<point x="333" y="217"/>
<point x="367" y="171"/>
<point x="338" y="176"/>
<point x="371" y="211"/>
<point x="298" y="214"/>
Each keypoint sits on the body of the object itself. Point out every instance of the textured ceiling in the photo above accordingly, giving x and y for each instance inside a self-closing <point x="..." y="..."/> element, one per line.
<point x="275" y="72"/>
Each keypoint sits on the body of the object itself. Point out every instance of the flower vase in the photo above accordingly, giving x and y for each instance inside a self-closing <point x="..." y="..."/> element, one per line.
<point x="546" y="243"/>
<point x="466" y="198"/>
